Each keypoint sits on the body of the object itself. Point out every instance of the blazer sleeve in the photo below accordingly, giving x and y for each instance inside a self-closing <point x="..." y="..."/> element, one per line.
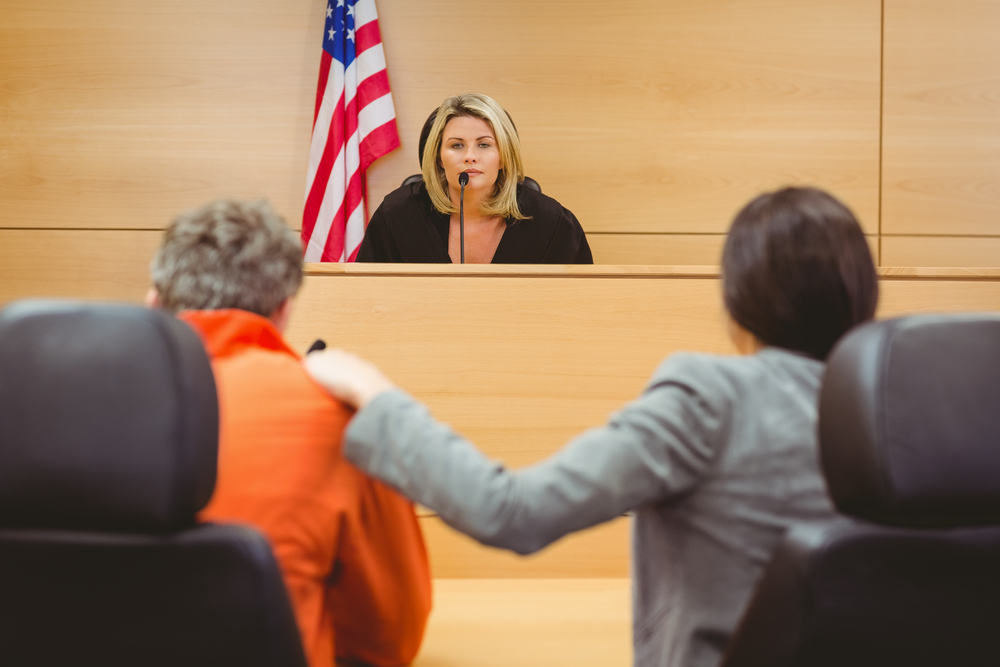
<point x="381" y="592"/>
<point x="658" y="447"/>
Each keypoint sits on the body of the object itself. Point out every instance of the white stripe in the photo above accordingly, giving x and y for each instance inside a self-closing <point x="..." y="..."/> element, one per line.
<point x="332" y="196"/>
<point x="334" y="88"/>
<point x="350" y="82"/>
<point x="376" y="114"/>
<point x="353" y="156"/>
<point x="355" y="231"/>
<point x="314" y="250"/>
<point x="364" y="12"/>
<point x="370" y="61"/>
<point x="352" y="161"/>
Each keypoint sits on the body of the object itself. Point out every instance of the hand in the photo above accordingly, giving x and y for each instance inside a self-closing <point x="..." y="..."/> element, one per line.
<point x="346" y="376"/>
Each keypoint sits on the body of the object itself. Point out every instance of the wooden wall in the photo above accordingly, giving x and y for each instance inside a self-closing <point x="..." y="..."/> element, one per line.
<point x="941" y="133"/>
<point x="653" y="121"/>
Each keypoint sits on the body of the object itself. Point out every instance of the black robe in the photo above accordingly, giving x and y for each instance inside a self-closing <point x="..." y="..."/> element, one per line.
<point x="407" y="228"/>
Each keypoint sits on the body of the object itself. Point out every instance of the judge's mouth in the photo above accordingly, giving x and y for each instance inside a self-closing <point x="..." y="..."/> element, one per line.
<point x="472" y="172"/>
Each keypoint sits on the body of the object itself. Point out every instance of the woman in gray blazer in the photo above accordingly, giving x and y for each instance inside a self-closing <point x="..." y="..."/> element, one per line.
<point x="715" y="458"/>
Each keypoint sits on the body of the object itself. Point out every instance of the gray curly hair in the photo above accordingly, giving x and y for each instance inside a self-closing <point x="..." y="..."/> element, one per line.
<point x="228" y="254"/>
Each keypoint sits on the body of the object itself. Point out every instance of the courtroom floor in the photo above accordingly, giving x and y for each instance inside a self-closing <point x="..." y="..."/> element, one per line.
<point x="528" y="623"/>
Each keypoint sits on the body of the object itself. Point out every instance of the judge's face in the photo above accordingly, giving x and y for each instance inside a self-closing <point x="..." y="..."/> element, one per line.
<point x="468" y="144"/>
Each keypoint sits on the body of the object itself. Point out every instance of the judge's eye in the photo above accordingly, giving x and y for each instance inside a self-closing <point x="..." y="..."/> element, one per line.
<point x="456" y="145"/>
<point x="485" y="145"/>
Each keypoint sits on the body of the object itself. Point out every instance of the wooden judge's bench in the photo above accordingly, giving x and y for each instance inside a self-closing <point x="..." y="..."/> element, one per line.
<point x="520" y="359"/>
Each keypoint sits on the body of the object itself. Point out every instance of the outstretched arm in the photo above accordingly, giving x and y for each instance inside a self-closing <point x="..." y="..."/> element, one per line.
<point x="657" y="447"/>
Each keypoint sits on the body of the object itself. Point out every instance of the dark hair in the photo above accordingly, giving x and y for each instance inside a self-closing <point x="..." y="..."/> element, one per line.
<point x="797" y="272"/>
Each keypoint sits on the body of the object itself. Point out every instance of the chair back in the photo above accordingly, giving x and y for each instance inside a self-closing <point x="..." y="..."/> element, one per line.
<point x="910" y="446"/>
<point x="108" y="449"/>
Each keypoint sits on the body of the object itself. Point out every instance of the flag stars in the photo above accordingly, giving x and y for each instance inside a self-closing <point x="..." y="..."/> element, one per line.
<point x="331" y="34"/>
<point x="329" y="11"/>
<point x="350" y="34"/>
<point x="350" y="10"/>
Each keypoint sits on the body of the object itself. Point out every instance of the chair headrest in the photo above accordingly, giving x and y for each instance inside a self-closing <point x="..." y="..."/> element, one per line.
<point x="108" y="418"/>
<point x="909" y="421"/>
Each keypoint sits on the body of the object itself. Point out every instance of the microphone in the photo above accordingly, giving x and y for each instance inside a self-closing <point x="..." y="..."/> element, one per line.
<point x="463" y="180"/>
<point x="318" y="344"/>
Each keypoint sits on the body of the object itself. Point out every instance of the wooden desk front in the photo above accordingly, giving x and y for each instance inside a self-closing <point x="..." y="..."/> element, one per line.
<point x="521" y="359"/>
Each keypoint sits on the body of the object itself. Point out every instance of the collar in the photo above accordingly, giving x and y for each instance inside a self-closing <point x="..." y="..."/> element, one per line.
<point x="231" y="331"/>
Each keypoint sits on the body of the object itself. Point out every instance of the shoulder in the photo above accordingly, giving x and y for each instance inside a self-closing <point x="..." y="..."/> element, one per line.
<point x="730" y="378"/>
<point x="544" y="209"/>
<point x="407" y="199"/>
<point x="275" y="386"/>
<point x="551" y="234"/>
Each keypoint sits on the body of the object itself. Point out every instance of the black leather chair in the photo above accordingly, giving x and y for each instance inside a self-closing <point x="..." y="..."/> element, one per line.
<point x="108" y="448"/>
<point x="910" y="446"/>
<point x="425" y="132"/>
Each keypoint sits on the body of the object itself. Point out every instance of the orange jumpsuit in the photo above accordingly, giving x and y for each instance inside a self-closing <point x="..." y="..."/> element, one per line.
<point x="350" y="549"/>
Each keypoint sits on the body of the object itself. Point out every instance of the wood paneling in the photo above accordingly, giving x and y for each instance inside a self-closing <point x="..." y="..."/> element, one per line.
<point x="602" y="551"/>
<point x="529" y="623"/>
<point x="941" y="143"/>
<point x="940" y="251"/>
<point x="521" y="362"/>
<point x="119" y="114"/>
<point x="517" y="364"/>
<point x="906" y="297"/>
<point x="653" y="116"/>
<point x="81" y="264"/>
<point x="673" y="249"/>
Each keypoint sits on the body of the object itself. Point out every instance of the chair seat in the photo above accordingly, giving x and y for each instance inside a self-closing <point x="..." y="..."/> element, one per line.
<point x="860" y="594"/>
<point x="208" y="596"/>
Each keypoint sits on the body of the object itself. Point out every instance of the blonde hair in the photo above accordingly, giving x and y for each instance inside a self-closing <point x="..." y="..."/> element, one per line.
<point x="503" y="200"/>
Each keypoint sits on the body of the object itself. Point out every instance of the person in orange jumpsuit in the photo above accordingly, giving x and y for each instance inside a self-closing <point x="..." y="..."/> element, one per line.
<point x="350" y="549"/>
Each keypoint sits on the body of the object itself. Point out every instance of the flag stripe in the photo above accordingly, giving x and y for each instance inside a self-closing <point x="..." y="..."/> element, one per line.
<point x="364" y="12"/>
<point x="369" y="40"/>
<point x="324" y="73"/>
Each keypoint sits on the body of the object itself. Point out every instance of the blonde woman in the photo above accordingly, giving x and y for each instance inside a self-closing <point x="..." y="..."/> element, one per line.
<point x="505" y="221"/>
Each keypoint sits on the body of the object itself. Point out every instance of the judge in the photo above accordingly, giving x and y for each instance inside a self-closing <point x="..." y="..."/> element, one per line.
<point x="505" y="222"/>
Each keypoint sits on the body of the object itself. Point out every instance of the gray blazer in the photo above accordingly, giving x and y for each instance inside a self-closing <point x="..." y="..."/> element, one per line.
<point x="715" y="459"/>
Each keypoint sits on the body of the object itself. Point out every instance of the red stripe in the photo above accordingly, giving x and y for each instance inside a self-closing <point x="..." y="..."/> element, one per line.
<point x="380" y="141"/>
<point x="372" y="88"/>
<point x="324" y="75"/>
<point x="335" y="242"/>
<point x="366" y="37"/>
<point x="334" y="142"/>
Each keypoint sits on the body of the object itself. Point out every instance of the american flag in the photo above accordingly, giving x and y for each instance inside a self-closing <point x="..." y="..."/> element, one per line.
<point x="354" y="125"/>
